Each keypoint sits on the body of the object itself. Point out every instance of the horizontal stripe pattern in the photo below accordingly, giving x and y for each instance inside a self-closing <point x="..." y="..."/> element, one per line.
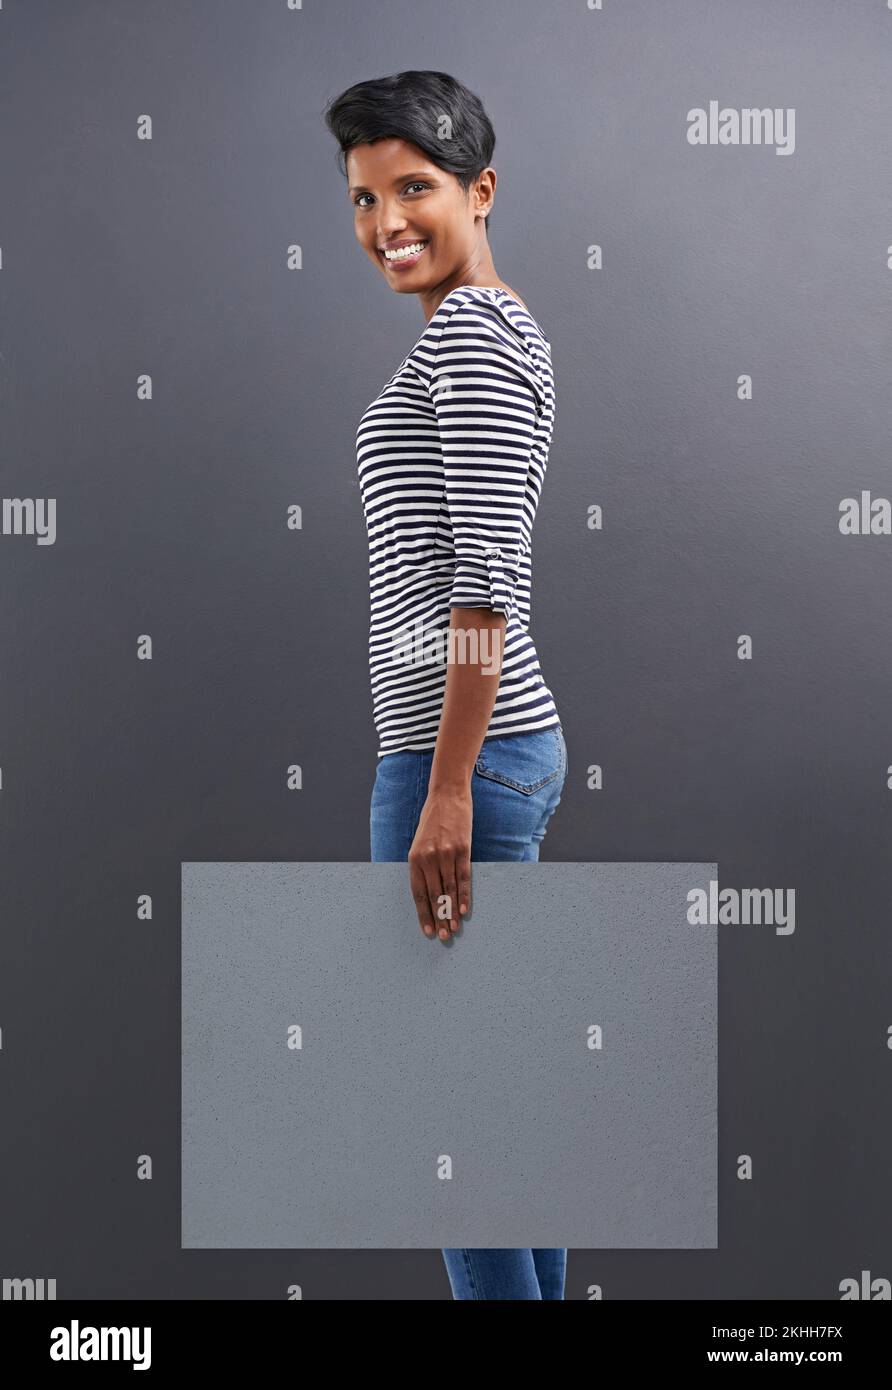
<point x="451" y="458"/>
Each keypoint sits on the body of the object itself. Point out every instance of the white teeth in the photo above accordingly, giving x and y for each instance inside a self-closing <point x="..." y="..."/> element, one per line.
<point x="403" y="251"/>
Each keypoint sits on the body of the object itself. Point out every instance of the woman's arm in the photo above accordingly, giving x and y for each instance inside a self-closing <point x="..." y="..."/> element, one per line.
<point x="486" y="403"/>
<point x="440" y="857"/>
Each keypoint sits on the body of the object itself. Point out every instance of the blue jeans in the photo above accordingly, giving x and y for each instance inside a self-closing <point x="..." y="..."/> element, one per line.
<point x="515" y="787"/>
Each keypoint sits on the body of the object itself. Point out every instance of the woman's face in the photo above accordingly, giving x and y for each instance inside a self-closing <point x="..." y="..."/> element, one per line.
<point x="400" y="198"/>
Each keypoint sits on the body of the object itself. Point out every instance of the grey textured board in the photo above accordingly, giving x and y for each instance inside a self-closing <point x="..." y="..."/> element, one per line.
<point x="447" y="1095"/>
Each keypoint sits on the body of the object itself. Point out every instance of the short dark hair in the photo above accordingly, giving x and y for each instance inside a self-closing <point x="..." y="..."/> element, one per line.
<point x="411" y="106"/>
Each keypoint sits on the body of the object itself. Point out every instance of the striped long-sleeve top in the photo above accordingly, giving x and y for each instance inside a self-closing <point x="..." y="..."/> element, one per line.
<point x="451" y="459"/>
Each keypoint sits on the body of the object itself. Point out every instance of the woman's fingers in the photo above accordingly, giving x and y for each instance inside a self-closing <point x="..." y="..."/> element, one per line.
<point x="424" y="880"/>
<point x="441" y="889"/>
<point x="442" y="886"/>
<point x="456" y="875"/>
<point x="463" y="874"/>
<point x="436" y="887"/>
<point x="450" y="889"/>
<point x="440" y="862"/>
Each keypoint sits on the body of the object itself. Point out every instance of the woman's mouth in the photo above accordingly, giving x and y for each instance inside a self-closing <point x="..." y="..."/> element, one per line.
<point x="404" y="256"/>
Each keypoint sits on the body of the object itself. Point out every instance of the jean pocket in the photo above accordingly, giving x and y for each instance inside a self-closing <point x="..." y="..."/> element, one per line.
<point x="526" y="761"/>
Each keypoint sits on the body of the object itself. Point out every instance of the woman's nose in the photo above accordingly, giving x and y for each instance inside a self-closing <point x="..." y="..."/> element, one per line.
<point x="388" y="230"/>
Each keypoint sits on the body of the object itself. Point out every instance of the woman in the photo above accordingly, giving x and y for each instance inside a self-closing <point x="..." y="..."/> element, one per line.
<point x="451" y="458"/>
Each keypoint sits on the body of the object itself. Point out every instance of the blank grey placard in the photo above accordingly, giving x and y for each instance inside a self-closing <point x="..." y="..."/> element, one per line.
<point x="419" y="1060"/>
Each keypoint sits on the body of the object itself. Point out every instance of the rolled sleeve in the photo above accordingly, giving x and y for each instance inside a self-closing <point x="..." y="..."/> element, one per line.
<point x="484" y="581"/>
<point x="487" y="404"/>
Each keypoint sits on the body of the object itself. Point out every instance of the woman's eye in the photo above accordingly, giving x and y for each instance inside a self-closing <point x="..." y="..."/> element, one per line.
<point x="357" y="202"/>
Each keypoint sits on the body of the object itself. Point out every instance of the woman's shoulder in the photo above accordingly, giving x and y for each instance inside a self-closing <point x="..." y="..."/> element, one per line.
<point x="489" y="301"/>
<point x="486" y="315"/>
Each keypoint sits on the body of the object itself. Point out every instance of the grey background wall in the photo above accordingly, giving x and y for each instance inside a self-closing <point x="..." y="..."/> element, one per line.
<point x="721" y="518"/>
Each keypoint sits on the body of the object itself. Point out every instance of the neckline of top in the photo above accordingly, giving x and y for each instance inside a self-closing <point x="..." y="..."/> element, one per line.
<point x="498" y="290"/>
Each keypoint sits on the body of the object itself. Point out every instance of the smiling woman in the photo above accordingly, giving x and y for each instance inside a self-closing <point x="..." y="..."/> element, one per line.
<point x="451" y="457"/>
<point x="415" y="150"/>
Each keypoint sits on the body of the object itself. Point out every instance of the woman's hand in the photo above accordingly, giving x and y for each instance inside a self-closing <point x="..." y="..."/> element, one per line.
<point x="440" y="861"/>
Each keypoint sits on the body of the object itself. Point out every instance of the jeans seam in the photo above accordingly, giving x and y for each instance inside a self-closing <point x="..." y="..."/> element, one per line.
<point x="526" y="787"/>
<point x="470" y="1273"/>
